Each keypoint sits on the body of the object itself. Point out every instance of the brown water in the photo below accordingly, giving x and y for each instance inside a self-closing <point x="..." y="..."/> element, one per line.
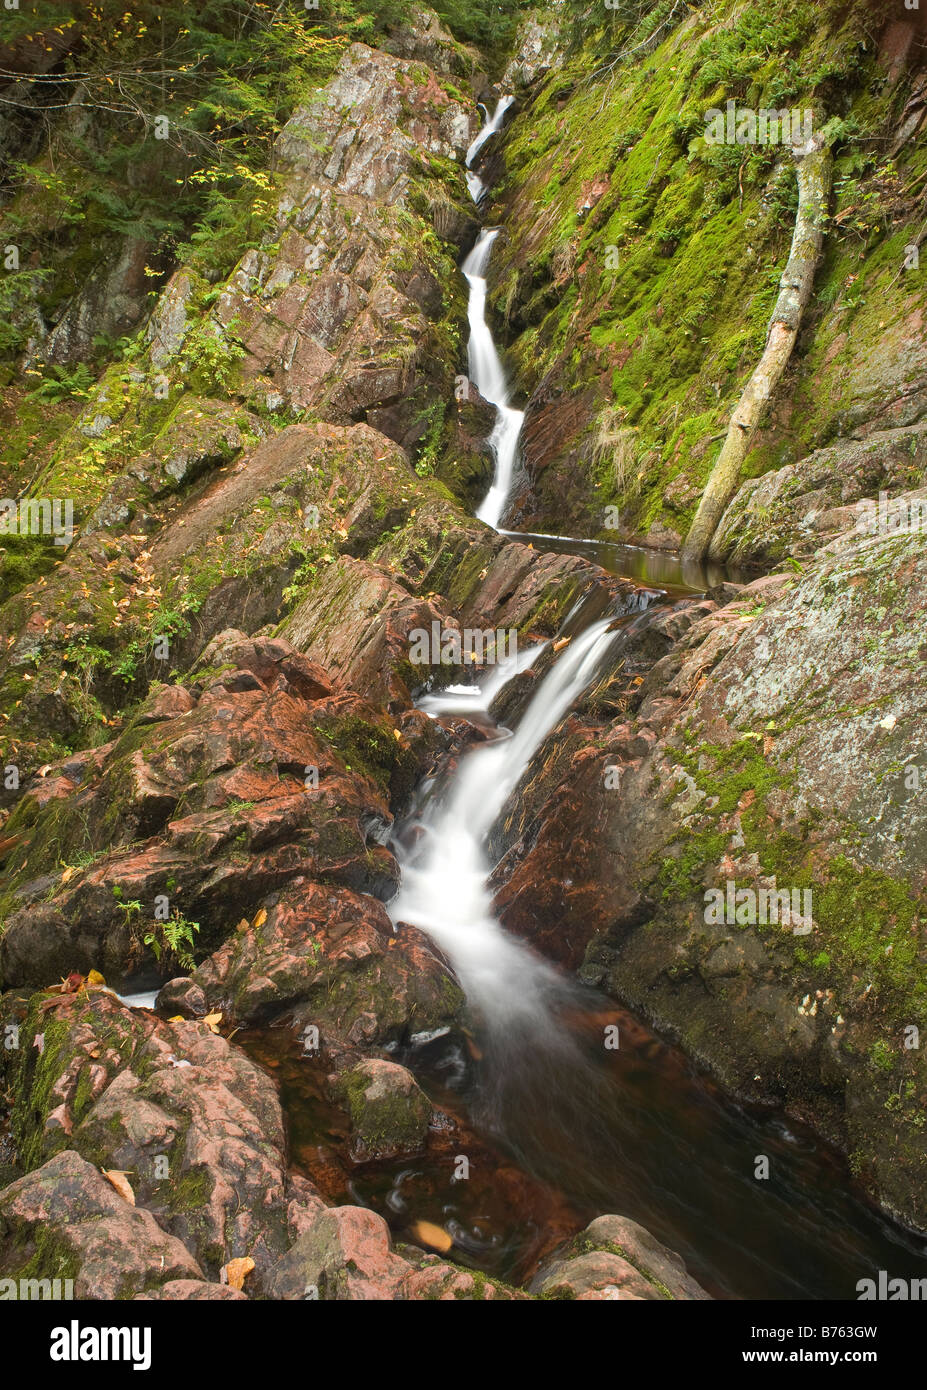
<point x="638" y="1131"/>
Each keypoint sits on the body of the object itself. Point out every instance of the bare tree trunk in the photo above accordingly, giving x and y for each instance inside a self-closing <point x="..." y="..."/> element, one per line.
<point x="814" y="165"/>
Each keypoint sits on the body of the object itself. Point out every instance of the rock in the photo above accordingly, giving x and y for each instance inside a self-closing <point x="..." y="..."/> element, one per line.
<point x="111" y="302"/>
<point x="182" y="996"/>
<point x="596" y="1276"/>
<point x="180" y="1290"/>
<point x="389" y="1112"/>
<point x="215" y="800"/>
<point x="345" y="1255"/>
<point x="195" y="1124"/>
<point x="65" y="1221"/>
<point x="329" y="958"/>
<point x="644" y="1251"/>
<point x="311" y="312"/>
<point x="167" y="326"/>
<point x="614" y="1258"/>
<point x="797" y="509"/>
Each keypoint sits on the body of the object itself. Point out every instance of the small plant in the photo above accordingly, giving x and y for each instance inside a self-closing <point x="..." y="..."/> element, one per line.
<point x="129" y="908"/>
<point x="174" y="938"/>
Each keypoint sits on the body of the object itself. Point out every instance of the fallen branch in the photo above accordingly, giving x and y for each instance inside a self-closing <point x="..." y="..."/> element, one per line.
<point x="814" y="167"/>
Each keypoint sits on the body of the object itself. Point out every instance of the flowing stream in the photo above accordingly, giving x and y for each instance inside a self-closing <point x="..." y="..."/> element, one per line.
<point x="485" y="367"/>
<point x="655" y="1142"/>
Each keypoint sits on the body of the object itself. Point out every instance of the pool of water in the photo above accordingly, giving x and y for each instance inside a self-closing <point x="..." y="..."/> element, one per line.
<point x="639" y="1131"/>
<point x="663" y="569"/>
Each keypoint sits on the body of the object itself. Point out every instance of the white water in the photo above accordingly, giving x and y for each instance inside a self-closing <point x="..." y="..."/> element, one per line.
<point x="444" y="888"/>
<point x="444" y="881"/>
<point x="485" y="368"/>
<point x="487" y="373"/>
<point x="493" y="124"/>
<point x="476" y="699"/>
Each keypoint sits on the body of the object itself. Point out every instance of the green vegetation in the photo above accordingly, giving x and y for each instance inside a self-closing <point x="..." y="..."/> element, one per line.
<point x="174" y="939"/>
<point x="642" y="264"/>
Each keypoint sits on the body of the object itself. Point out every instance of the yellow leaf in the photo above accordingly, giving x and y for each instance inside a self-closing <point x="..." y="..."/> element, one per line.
<point x="95" y="978"/>
<point x="434" y="1236"/>
<point x="121" y="1184"/>
<point x="213" y="1021"/>
<point x="236" y="1271"/>
<point x="260" y="919"/>
<point x="177" y="1018"/>
<point x="68" y="873"/>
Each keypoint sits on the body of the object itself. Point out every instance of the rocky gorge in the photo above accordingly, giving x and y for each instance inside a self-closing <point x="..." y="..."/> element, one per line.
<point x="327" y="975"/>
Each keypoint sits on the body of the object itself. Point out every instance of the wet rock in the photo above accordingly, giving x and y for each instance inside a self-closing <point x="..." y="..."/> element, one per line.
<point x="389" y="1112"/>
<point x="330" y="958"/>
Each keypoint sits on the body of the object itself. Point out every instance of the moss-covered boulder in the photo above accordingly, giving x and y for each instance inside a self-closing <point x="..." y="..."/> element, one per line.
<point x="389" y="1111"/>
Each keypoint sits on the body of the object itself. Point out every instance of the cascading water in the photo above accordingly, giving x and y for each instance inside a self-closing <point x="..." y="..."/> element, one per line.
<point x="485" y="368"/>
<point x="487" y="373"/>
<point x="606" y="1127"/>
<point x="493" y="125"/>
<point x="444" y="886"/>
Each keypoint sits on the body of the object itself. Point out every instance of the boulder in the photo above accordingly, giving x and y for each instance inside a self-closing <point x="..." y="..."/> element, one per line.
<point x="66" y="1221"/>
<point x="389" y="1111"/>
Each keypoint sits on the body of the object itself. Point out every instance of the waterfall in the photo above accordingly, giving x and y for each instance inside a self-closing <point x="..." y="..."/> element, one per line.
<point x="493" y="124"/>
<point x="485" y="368"/>
<point x="444" y="882"/>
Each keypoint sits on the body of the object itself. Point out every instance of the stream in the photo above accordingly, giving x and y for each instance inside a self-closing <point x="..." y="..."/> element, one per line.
<point x="556" y="1128"/>
<point x="636" y="1130"/>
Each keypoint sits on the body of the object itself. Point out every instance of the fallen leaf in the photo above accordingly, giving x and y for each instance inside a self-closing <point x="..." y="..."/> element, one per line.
<point x="260" y="918"/>
<point x="564" y="642"/>
<point x="242" y="925"/>
<point x="236" y="1271"/>
<point x="68" y="873"/>
<point x="95" y="978"/>
<point x="121" y="1184"/>
<point x="434" y="1236"/>
<point x="212" y="1021"/>
<point x="177" y="1018"/>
